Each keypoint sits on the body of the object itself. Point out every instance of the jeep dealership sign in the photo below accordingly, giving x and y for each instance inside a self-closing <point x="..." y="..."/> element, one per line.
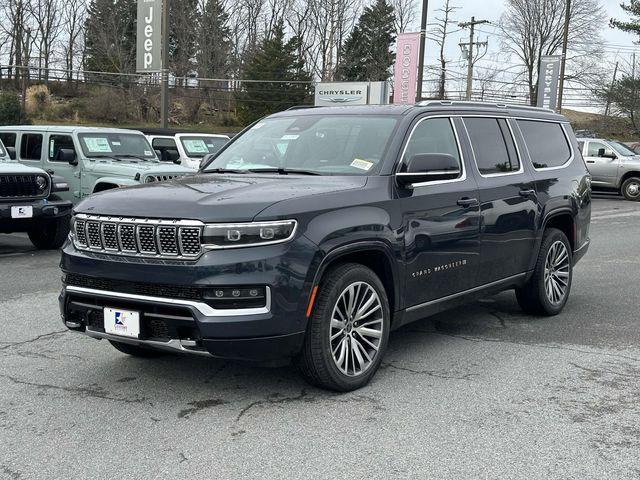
<point x="149" y="43"/>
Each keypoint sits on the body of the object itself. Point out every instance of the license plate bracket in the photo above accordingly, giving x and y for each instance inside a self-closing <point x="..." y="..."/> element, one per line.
<point x="124" y="323"/>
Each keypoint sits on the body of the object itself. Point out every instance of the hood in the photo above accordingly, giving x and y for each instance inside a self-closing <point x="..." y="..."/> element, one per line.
<point x="131" y="169"/>
<point x="12" y="168"/>
<point x="213" y="197"/>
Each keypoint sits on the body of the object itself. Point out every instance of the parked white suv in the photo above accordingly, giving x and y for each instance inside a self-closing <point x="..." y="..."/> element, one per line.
<point x="186" y="149"/>
<point x="612" y="165"/>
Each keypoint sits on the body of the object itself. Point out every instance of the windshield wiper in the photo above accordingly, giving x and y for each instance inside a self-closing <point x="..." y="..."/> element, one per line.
<point x="226" y="170"/>
<point x="110" y="157"/>
<point x="285" y="171"/>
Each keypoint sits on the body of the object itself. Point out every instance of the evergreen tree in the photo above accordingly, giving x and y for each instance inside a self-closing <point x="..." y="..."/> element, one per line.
<point x="214" y="48"/>
<point x="366" y="54"/>
<point x="111" y="36"/>
<point x="183" y="18"/>
<point x="274" y="59"/>
<point x="633" y="25"/>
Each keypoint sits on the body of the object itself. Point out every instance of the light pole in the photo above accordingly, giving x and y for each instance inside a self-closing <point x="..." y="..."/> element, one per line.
<point x="423" y="35"/>
<point x="565" y="41"/>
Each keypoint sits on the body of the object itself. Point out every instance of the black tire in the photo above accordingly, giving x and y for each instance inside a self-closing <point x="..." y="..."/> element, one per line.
<point x="534" y="297"/>
<point x="50" y="234"/>
<point x="317" y="362"/>
<point x="631" y="189"/>
<point x="135" y="350"/>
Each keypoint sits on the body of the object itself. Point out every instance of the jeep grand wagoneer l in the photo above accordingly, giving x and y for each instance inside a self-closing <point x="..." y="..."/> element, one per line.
<point x="315" y="232"/>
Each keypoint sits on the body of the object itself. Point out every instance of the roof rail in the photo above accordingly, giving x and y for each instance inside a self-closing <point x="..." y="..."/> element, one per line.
<point x="472" y="103"/>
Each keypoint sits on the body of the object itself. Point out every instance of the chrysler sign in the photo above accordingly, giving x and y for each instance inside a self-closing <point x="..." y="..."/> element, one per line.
<point x="548" y="79"/>
<point x="348" y="93"/>
<point x="149" y="36"/>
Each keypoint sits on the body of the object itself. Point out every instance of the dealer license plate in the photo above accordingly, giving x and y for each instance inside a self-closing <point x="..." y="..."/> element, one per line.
<point x="122" y="322"/>
<point x="21" y="212"/>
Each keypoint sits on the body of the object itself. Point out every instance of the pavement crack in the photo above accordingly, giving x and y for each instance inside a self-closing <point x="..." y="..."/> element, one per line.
<point x="274" y="399"/>
<point x="429" y="373"/>
<point x="95" y="392"/>
<point x="15" y="475"/>
<point x="36" y="339"/>
<point x="550" y="347"/>
<point x="602" y="370"/>
<point x="200" y="405"/>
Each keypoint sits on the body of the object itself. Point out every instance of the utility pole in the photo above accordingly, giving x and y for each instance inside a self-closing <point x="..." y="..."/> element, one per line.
<point x="565" y="41"/>
<point x="613" y="82"/>
<point x="423" y="35"/>
<point x="469" y="49"/>
<point x="164" y="73"/>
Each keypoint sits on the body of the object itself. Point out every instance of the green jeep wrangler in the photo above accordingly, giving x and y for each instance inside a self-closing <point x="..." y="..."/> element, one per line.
<point x="90" y="159"/>
<point x="30" y="202"/>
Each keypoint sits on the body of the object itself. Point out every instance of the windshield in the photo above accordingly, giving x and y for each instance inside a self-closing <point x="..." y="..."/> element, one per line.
<point x="198" y="147"/>
<point x="100" y="144"/>
<point x="622" y="149"/>
<point x="332" y="144"/>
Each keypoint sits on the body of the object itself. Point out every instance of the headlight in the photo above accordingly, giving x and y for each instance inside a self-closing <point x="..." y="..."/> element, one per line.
<point x="41" y="183"/>
<point x="149" y="179"/>
<point x="235" y="235"/>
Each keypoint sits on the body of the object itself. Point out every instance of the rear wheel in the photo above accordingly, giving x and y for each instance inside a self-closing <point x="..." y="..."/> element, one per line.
<point x="50" y="234"/>
<point x="631" y="189"/>
<point x="135" y="350"/>
<point x="348" y="331"/>
<point x="547" y="291"/>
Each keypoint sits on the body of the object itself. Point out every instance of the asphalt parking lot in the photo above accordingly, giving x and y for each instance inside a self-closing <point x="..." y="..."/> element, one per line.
<point x="479" y="392"/>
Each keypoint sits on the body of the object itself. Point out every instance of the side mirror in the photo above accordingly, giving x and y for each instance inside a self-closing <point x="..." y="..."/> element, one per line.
<point x="429" y="167"/>
<point x="606" y="153"/>
<point x="174" y="156"/>
<point x="12" y="152"/>
<point x="67" y="155"/>
<point x="206" y="160"/>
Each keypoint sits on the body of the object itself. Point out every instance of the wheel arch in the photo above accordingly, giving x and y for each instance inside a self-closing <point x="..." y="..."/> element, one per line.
<point x="562" y="220"/>
<point x="377" y="256"/>
<point x="109" y="183"/>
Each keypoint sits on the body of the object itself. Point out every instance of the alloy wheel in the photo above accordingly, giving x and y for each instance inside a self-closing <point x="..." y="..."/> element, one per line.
<point x="356" y="329"/>
<point x="633" y="189"/>
<point x="556" y="273"/>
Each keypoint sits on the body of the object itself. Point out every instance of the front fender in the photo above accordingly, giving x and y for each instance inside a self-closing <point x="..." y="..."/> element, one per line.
<point x="119" y="181"/>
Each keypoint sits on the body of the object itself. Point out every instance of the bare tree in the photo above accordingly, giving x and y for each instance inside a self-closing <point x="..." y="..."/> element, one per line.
<point x="533" y="28"/>
<point x="441" y="32"/>
<point x="17" y="21"/>
<point x="301" y="26"/>
<point x="405" y="11"/>
<point x="74" y="14"/>
<point x="47" y="22"/>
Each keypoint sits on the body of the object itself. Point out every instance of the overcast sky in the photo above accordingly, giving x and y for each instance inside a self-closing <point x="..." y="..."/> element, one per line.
<point x="619" y="45"/>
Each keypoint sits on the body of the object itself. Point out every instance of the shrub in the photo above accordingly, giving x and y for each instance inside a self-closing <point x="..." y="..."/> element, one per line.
<point x="10" y="109"/>
<point x="38" y="102"/>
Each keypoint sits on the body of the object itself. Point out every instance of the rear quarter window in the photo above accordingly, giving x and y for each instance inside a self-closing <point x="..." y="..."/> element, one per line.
<point x="546" y="142"/>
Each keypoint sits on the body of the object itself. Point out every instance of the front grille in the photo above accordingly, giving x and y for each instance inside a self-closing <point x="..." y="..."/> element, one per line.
<point x="19" y="186"/>
<point x="162" y="178"/>
<point x="138" y="237"/>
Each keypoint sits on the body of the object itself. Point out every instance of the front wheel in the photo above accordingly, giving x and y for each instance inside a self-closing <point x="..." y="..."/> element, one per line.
<point x="631" y="189"/>
<point x="348" y="331"/>
<point x="50" y="234"/>
<point x="547" y="292"/>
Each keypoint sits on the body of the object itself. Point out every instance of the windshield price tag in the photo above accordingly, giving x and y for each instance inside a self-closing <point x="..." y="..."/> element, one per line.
<point x="361" y="164"/>
<point x="97" y="145"/>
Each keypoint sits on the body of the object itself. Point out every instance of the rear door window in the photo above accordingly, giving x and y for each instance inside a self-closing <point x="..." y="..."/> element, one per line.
<point x="31" y="146"/>
<point x="493" y="145"/>
<point x="546" y="142"/>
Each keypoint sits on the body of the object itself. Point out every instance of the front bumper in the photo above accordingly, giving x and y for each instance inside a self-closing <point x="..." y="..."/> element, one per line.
<point x="266" y="333"/>
<point x="42" y="209"/>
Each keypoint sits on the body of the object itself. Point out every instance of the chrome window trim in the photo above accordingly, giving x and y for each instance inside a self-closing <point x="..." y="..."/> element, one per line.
<point x="203" y="308"/>
<point x="462" y="177"/>
<point x="566" y="137"/>
<point x="513" y="138"/>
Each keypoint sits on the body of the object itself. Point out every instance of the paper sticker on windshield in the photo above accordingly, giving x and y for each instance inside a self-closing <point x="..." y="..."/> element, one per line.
<point x="361" y="164"/>
<point x="147" y="153"/>
<point x="196" y="146"/>
<point x="290" y="137"/>
<point x="97" y="145"/>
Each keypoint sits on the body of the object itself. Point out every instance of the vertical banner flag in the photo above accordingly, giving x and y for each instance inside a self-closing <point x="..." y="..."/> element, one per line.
<point x="406" y="68"/>
<point x="548" y="79"/>
<point x="149" y="42"/>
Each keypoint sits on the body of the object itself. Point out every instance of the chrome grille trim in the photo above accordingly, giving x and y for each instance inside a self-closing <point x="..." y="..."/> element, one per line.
<point x="139" y="237"/>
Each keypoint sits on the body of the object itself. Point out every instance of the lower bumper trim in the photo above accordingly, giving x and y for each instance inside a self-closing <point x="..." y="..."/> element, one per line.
<point x="173" y="345"/>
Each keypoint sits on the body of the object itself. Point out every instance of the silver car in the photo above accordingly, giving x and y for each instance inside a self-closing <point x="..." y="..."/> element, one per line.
<point x="613" y="166"/>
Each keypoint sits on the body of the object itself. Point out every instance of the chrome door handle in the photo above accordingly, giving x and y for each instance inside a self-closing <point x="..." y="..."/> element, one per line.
<point x="527" y="193"/>
<point x="468" y="202"/>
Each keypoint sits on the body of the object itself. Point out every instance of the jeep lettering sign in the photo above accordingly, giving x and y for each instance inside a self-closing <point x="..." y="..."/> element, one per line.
<point x="346" y="93"/>
<point x="149" y="36"/>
